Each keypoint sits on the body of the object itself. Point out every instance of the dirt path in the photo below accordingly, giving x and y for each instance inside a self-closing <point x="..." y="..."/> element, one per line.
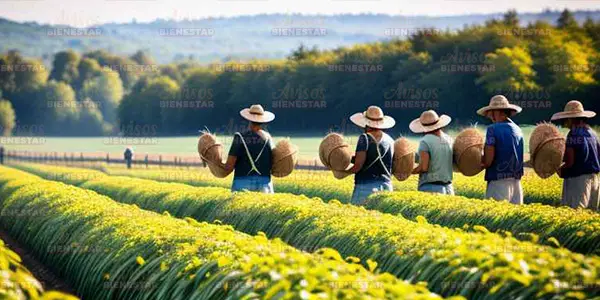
<point x="43" y="274"/>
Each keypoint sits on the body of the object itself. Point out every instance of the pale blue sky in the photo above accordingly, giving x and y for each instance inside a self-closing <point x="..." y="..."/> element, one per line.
<point x="89" y="12"/>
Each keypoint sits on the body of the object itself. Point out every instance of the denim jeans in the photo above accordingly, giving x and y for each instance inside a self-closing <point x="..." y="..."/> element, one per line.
<point x="253" y="184"/>
<point x="446" y="189"/>
<point x="364" y="190"/>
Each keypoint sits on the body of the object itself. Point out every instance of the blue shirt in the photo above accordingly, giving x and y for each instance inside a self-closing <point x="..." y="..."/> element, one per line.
<point x="255" y="143"/>
<point x="507" y="139"/>
<point x="584" y="143"/>
<point x="373" y="170"/>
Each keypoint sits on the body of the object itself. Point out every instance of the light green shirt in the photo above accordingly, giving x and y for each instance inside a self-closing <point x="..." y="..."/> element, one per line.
<point x="440" y="158"/>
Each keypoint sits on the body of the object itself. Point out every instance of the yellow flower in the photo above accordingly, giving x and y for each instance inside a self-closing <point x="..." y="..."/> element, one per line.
<point x="140" y="260"/>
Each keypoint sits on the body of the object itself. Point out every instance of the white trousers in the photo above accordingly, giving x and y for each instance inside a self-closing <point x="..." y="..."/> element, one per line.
<point x="581" y="192"/>
<point x="505" y="189"/>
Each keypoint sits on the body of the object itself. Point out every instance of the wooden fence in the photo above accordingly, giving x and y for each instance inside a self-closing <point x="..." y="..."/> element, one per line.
<point x="138" y="161"/>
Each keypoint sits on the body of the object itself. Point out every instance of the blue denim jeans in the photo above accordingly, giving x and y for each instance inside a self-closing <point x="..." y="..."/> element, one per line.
<point x="446" y="189"/>
<point x="253" y="184"/>
<point x="364" y="190"/>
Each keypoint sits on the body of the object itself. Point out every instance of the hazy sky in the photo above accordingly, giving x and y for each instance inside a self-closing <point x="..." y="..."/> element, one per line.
<point x="90" y="12"/>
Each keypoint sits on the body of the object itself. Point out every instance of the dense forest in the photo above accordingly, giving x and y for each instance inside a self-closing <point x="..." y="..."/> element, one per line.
<point x="539" y="66"/>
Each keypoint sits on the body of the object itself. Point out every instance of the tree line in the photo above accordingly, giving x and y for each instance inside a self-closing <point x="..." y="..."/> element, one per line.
<point x="539" y="66"/>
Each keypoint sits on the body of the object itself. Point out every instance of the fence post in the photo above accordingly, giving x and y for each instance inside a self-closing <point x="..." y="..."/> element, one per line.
<point x="160" y="161"/>
<point x="146" y="160"/>
<point x="107" y="158"/>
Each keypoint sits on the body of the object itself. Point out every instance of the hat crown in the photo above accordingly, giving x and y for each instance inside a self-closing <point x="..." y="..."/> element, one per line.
<point x="499" y="101"/>
<point x="429" y="117"/>
<point x="574" y="106"/>
<point x="257" y="109"/>
<point x="374" y="113"/>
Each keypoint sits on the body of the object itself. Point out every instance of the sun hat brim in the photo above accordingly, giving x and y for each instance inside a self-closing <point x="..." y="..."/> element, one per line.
<point x="417" y="127"/>
<point x="266" y="117"/>
<point x="484" y="110"/>
<point x="568" y="114"/>
<point x="361" y="121"/>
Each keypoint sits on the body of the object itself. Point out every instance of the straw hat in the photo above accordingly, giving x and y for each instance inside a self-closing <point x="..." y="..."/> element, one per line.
<point x="404" y="159"/>
<point x="334" y="152"/>
<point x="546" y="149"/>
<point x="499" y="102"/>
<point x="468" y="150"/>
<point x="373" y="118"/>
<point x="429" y="121"/>
<point x="573" y="109"/>
<point x="256" y="113"/>
<point x="285" y="157"/>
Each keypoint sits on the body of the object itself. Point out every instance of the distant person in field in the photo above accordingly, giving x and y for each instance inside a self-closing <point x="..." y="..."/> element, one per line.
<point x="581" y="186"/>
<point x="435" y="153"/>
<point x="503" y="152"/>
<point x="374" y="154"/>
<point x="250" y="153"/>
<point x="128" y="155"/>
<point x="1" y="155"/>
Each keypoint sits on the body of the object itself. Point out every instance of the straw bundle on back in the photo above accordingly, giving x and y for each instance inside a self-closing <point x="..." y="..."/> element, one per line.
<point x="285" y="157"/>
<point x="334" y="152"/>
<point x="211" y="151"/>
<point x="546" y="149"/>
<point x="404" y="159"/>
<point x="468" y="150"/>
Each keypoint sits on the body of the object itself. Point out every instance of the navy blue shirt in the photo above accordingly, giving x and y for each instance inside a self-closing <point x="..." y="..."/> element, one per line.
<point x="584" y="143"/>
<point x="376" y="171"/>
<point x="507" y="139"/>
<point x="255" y="143"/>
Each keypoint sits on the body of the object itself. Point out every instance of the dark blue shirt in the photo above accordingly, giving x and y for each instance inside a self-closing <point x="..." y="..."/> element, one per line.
<point x="507" y="139"/>
<point x="255" y="143"/>
<point x="376" y="171"/>
<point x="584" y="143"/>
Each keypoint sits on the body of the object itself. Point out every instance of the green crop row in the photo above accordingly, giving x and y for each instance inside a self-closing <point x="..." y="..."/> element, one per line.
<point x="478" y="265"/>
<point x="110" y="250"/>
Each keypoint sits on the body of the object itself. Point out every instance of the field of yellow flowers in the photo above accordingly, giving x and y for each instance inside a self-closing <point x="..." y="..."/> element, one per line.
<point x="323" y="185"/>
<point x="110" y="250"/>
<point x="476" y="264"/>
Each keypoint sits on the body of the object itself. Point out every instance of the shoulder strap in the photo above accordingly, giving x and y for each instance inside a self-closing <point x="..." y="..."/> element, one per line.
<point x="250" y="158"/>
<point x="379" y="155"/>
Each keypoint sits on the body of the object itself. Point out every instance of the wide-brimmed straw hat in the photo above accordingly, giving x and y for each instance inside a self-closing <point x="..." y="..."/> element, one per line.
<point x="373" y="118"/>
<point x="499" y="102"/>
<point x="573" y="109"/>
<point x="429" y="121"/>
<point x="256" y="113"/>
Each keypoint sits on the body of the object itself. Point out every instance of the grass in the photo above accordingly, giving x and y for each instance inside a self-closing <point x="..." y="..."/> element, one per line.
<point x="177" y="146"/>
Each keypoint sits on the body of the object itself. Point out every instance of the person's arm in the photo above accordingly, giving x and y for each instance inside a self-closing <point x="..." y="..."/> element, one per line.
<point x="359" y="162"/>
<point x="423" y="166"/>
<point x="488" y="156"/>
<point x="489" y="151"/>
<point x="230" y="164"/>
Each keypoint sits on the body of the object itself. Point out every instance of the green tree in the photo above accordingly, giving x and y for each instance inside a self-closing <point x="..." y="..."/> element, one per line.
<point x="106" y="90"/>
<point x="142" y="58"/>
<point x="88" y="68"/>
<point x="513" y="71"/>
<point x="7" y="117"/>
<point x="566" y="20"/>
<point x="64" y="67"/>
<point x="90" y="120"/>
<point x="511" y="18"/>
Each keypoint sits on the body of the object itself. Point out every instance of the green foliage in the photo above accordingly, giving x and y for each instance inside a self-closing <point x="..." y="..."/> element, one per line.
<point x="477" y="265"/>
<point x="107" y="91"/>
<point x="7" y="117"/>
<point x="513" y="71"/>
<point x="65" y="67"/>
<point x="109" y="250"/>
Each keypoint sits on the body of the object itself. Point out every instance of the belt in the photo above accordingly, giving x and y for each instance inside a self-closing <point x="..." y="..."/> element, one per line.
<point x="438" y="183"/>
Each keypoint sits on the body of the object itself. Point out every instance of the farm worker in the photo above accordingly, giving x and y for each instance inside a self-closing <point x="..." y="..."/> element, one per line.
<point x="581" y="187"/>
<point x="128" y="155"/>
<point x="503" y="151"/>
<point x="374" y="154"/>
<point x="435" y="153"/>
<point x="250" y="153"/>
